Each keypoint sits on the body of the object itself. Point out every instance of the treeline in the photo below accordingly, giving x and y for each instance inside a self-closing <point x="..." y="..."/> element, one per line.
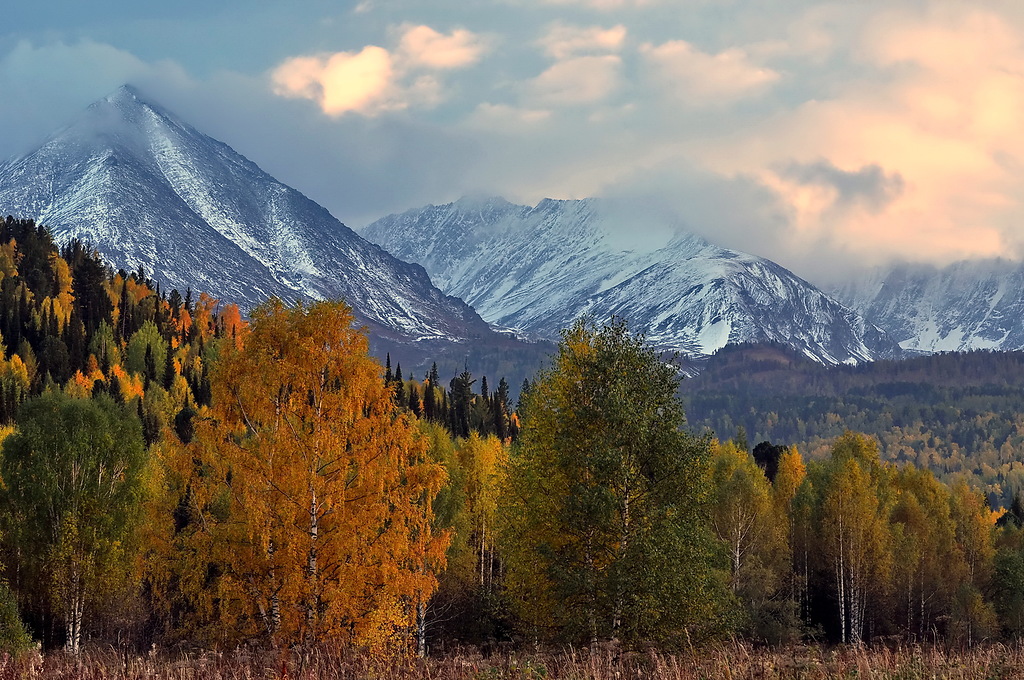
<point x="109" y="380"/>
<point x="460" y="408"/>
<point x="954" y="414"/>
<point x="274" y="485"/>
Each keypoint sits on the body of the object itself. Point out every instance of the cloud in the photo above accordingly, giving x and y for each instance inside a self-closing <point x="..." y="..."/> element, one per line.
<point x="562" y="40"/>
<point x="43" y="84"/>
<point x="577" y="81"/>
<point x="503" y="118"/>
<point x="424" y="47"/>
<point x="375" y="80"/>
<point x="362" y="82"/>
<point x="869" y="186"/>
<point x="702" y="79"/>
<point x="605" y="5"/>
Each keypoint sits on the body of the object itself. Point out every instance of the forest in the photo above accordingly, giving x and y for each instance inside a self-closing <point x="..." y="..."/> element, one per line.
<point x="176" y="476"/>
<point x="959" y="414"/>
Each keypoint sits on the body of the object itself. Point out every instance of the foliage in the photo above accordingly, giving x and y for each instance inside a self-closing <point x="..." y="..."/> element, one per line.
<point x="73" y="473"/>
<point x="951" y="413"/>
<point x="14" y="636"/>
<point x="604" y="504"/>
<point x="324" y="527"/>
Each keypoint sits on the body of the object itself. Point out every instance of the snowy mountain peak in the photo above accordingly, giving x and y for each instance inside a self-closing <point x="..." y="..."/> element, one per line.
<point x="967" y="305"/>
<point x="536" y="269"/>
<point x="145" y="188"/>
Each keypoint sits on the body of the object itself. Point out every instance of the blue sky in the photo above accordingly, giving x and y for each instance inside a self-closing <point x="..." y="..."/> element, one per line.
<point x="820" y="134"/>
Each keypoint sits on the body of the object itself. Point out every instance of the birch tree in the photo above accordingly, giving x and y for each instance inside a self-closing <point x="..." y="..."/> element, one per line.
<point x="329" y="487"/>
<point x="605" y="497"/>
<point x="74" y="473"/>
<point x="854" y="524"/>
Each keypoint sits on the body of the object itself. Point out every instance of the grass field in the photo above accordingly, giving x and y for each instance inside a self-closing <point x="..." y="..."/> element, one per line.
<point x="731" y="661"/>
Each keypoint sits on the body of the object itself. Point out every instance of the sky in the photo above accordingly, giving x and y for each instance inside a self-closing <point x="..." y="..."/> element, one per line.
<point x="824" y="135"/>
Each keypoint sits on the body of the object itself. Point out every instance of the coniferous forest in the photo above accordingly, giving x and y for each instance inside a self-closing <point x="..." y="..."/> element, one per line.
<point x="180" y="479"/>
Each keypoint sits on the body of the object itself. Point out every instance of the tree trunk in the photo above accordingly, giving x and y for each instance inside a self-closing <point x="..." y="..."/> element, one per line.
<point x="421" y="630"/>
<point x="841" y="582"/>
<point x="76" y="605"/>
<point x="313" y="604"/>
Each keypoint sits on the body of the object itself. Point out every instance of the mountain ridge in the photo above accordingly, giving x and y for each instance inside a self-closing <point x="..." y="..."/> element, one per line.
<point x="534" y="269"/>
<point x="967" y="305"/>
<point x="145" y="188"/>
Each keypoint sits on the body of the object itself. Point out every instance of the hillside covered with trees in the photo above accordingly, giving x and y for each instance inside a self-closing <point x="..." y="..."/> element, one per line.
<point x="955" y="414"/>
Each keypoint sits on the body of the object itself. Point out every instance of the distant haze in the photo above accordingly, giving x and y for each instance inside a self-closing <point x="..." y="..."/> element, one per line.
<point x="825" y="136"/>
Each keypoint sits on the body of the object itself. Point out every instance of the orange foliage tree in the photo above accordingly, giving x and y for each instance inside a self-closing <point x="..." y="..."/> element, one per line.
<point x="328" y="531"/>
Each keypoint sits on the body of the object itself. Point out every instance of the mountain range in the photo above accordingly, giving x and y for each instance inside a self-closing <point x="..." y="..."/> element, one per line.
<point x="535" y="269"/>
<point x="480" y="283"/>
<point x="146" y="189"/>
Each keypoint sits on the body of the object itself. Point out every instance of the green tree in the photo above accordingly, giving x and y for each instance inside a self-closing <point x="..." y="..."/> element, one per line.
<point x="14" y="637"/>
<point x="605" y="500"/>
<point x="73" y="472"/>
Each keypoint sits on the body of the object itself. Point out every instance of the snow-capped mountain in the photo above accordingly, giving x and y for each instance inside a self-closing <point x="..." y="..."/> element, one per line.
<point x="536" y="269"/>
<point x="973" y="304"/>
<point x="145" y="188"/>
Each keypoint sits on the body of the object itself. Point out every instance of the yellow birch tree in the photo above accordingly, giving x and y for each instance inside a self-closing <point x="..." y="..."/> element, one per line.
<point x="329" y="487"/>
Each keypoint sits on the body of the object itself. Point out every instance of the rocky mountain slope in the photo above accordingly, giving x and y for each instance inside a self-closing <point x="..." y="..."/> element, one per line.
<point x="536" y="269"/>
<point x="145" y="188"/>
<point x="977" y="304"/>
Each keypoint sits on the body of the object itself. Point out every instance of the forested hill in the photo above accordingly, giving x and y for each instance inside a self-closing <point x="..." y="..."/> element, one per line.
<point x="68" y="320"/>
<point x="953" y="413"/>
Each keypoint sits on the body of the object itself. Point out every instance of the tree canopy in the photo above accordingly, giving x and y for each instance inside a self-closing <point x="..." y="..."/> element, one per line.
<point x="605" y="499"/>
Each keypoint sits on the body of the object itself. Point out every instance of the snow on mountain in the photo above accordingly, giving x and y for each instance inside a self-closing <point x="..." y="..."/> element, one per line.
<point x="536" y="269"/>
<point x="145" y="188"/>
<point x="968" y="305"/>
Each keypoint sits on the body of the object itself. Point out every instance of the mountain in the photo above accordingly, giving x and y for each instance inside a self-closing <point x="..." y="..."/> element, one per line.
<point x="972" y="304"/>
<point x="535" y="269"/>
<point x="146" y="189"/>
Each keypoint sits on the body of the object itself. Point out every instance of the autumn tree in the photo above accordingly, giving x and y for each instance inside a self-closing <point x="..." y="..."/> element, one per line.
<point x="855" y="531"/>
<point x="931" y="564"/>
<point x="605" y="515"/>
<point x="327" y="530"/>
<point x="744" y="519"/>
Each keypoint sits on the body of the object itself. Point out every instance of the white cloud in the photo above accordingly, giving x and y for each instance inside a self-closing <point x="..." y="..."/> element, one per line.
<point x="703" y="79"/>
<point x="422" y="46"/>
<point x="577" y="81"/>
<point x="375" y="80"/>
<point x="562" y="40"/>
<point x="44" y="84"/>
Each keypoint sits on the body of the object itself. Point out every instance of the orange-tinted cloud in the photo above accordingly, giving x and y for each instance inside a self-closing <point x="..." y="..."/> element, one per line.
<point x="703" y="79"/>
<point x="374" y="79"/>
<point x="425" y="47"/>
<point x="361" y="82"/>
<point x="942" y="112"/>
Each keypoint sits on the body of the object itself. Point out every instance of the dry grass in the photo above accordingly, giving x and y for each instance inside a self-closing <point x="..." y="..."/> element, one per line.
<point x="732" y="661"/>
